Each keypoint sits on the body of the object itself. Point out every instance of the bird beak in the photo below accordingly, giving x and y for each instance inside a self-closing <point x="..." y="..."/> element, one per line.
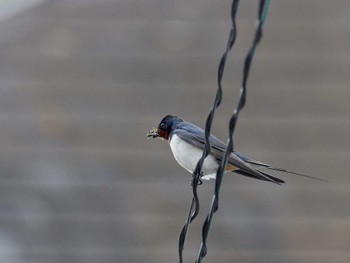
<point x="153" y="133"/>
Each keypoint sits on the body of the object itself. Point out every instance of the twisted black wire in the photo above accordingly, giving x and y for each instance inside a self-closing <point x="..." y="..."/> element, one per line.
<point x="263" y="7"/>
<point x="194" y="209"/>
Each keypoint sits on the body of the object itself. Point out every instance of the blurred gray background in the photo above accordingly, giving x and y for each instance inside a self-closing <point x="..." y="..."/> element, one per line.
<point x="81" y="83"/>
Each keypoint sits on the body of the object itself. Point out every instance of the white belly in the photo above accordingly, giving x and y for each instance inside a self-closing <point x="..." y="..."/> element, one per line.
<point x="188" y="156"/>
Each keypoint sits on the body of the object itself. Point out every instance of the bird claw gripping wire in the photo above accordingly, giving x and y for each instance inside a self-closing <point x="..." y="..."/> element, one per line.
<point x="196" y="180"/>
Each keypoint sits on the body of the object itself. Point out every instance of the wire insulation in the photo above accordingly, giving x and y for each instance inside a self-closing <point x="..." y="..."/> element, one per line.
<point x="194" y="208"/>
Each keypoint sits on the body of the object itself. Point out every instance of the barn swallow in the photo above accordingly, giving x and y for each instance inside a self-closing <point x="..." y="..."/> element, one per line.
<point x="187" y="142"/>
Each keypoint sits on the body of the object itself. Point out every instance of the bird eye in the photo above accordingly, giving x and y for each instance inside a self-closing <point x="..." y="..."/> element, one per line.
<point x="162" y="125"/>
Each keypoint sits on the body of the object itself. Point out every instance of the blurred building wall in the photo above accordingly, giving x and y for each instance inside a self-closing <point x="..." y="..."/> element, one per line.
<point x="81" y="83"/>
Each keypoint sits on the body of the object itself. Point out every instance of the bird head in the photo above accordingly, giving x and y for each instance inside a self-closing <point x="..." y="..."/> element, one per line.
<point x="166" y="125"/>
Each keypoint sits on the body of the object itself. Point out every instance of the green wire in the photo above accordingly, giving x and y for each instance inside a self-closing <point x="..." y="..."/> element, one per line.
<point x="265" y="11"/>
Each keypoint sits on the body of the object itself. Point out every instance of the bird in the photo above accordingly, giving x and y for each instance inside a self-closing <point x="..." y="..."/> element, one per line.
<point x="187" y="142"/>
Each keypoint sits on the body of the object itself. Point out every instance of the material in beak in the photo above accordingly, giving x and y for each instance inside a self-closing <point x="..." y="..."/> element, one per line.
<point x="153" y="133"/>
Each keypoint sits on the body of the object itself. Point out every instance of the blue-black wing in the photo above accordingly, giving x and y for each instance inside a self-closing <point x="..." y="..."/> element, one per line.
<point x="194" y="135"/>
